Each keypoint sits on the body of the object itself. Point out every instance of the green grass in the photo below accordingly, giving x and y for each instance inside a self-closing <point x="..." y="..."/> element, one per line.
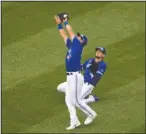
<point x="35" y="16"/>
<point x="33" y="65"/>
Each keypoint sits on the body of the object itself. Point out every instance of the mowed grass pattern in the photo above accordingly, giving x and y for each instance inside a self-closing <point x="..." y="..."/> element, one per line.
<point x="33" y="65"/>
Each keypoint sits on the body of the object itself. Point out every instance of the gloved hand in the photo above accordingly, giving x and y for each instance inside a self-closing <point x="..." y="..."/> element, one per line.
<point x="63" y="16"/>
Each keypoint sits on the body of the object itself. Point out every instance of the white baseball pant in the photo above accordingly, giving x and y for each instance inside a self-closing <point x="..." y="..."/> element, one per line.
<point x="72" y="89"/>
<point x="87" y="90"/>
<point x="84" y="91"/>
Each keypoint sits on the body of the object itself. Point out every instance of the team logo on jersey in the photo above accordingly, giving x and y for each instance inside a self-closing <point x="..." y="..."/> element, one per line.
<point x="69" y="54"/>
<point x="88" y="65"/>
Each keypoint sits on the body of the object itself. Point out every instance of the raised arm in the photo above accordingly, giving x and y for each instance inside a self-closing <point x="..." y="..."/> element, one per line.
<point x="85" y="64"/>
<point x="60" y="28"/>
<point x="69" y="29"/>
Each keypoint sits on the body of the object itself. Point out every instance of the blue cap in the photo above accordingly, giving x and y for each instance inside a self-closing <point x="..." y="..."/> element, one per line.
<point x="84" y="38"/>
<point x="102" y="49"/>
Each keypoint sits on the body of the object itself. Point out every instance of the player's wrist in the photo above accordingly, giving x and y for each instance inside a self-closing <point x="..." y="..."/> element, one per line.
<point x="60" y="26"/>
<point x="66" y="23"/>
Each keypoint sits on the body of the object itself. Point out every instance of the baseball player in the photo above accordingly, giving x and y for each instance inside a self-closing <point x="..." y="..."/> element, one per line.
<point x="94" y="69"/>
<point x="75" y="46"/>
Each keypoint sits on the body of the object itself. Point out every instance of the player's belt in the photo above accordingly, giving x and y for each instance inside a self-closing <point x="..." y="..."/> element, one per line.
<point x="71" y="73"/>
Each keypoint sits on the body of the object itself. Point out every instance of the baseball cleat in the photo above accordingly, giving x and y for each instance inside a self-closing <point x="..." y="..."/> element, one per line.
<point x="89" y="119"/>
<point x="78" y="124"/>
<point x="96" y="98"/>
<point x="71" y="127"/>
<point x="74" y="126"/>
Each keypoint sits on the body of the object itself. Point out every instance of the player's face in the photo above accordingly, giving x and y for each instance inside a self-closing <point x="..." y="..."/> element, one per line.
<point x="99" y="54"/>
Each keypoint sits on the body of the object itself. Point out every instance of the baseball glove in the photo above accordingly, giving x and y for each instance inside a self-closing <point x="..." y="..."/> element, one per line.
<point x="63" y="16"/>
<point x="94" y="68"/>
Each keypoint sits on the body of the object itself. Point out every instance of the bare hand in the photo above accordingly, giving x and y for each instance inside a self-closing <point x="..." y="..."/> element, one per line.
<point x="57" y="19"/>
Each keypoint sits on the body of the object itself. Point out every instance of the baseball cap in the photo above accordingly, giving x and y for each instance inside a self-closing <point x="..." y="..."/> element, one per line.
<point x="102" y="49"/>
<point x="84" y="38"/>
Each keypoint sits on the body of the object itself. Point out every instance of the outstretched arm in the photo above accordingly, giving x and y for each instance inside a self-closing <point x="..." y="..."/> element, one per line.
<point x="99" y="73"/>
<point x="69" y="29"/>
<point x="60" y="28"/>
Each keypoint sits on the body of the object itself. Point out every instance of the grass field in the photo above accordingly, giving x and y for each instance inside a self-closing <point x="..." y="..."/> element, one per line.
<point x="33" y="65"/>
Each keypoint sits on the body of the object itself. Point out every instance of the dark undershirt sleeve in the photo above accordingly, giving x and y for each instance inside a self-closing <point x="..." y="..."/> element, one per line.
<point x="96" y="79"/>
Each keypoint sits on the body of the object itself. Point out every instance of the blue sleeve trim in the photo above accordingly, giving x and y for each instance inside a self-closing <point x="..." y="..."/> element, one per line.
<point x="60" y="26"/>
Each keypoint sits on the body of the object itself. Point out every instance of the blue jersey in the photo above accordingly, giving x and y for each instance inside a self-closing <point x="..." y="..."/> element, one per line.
<point x="73" y="55"/>
<point x="93" y="71"/>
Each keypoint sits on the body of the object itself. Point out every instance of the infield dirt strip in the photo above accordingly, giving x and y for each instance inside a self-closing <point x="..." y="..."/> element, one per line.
<point x="33" y="65"/>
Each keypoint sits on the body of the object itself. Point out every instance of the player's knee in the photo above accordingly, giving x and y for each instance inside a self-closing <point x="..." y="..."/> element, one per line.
<point x="58" y="88"/>
<point x="77" y="102"/>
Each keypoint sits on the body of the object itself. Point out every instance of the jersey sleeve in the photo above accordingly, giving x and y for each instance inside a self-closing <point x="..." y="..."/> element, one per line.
<point x="85" y="63"/>
<point x="99" y="73"/>
<point x="101" y="70"/>
<point x="68" y="42"/>
<point x="96" y="79"/>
